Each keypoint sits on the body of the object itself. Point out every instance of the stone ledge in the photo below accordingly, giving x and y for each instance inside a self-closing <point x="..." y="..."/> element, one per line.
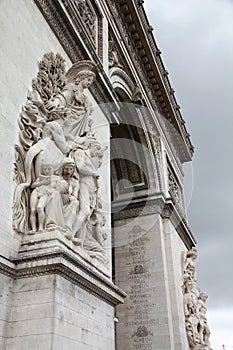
<point x="51" y="253"/>
<point x="7" y="267"/>
<point x="54" y="241"/>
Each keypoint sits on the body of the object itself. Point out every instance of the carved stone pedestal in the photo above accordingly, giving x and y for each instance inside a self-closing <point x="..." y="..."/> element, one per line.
<point x="60" y="300"/>
<point x="55" y="242"/>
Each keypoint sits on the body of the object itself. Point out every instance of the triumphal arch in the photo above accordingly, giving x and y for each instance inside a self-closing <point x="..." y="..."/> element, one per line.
<point x="95" y="249"/>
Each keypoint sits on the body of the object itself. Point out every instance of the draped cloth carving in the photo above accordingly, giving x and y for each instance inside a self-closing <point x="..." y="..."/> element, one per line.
<point x="58" y="157"/>
<point x="197" y="328"/>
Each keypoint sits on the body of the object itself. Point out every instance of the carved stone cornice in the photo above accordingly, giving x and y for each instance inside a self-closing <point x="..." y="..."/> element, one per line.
<point x="64" y="33"/>
<point x="7" y="268"/>
<point x="44" y="257"/>
<point x="73" y="270"/>
<point x="137" y="35"/>
<point x="139" y="206"/>
<point x="87" y="19"/>
<point x="173" y="213"/>
<point x="156" y="204"/>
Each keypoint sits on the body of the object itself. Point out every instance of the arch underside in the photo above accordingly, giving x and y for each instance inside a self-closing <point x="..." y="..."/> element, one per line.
<point x="131" y="160"/>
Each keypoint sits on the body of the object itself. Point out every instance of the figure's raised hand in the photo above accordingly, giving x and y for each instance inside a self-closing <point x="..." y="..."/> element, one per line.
<point x="52" y="103"/>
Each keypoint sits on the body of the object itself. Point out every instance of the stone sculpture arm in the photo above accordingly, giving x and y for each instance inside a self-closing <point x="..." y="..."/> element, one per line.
<point x="75" y="189"/>
<point x="55" y="130"/>
<point x="83" y="163"/>
<point x="62" y="99"/>
<point x="40" y="182"/>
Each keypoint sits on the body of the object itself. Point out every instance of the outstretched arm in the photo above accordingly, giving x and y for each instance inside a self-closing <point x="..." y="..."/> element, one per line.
<point x="84" y="164"/>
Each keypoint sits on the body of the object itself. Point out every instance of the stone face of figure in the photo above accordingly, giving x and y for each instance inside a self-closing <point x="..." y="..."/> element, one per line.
<point x="85" y="83"/>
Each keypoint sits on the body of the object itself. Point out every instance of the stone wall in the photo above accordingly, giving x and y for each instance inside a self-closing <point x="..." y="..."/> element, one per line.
<point x="5" y="308"/>
<point x="53" y="313"/>
<point x="48" y="311"/>
<point x="148" y="267"/>
<point x="26" y="38"/>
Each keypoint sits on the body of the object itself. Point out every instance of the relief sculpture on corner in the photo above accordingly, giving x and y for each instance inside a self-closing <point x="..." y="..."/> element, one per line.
<point x="197" y="328"/>
<point x="58" y="157"/>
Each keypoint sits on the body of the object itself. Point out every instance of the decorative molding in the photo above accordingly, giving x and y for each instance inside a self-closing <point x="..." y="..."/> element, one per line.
<point x="88" y="16"/>
<point x="108" y="293"/>
<point x="7" y="270"/>
<point x="175" y="189"/>
<point x="153" y="73"/>
<point x="164" y="73"/>
<point x="151" y="205"/>
<point x="133" y="53"/>
<point x="147" y="205"/>
<point x="74" y="270"/>
<point x="171" y="212"/>
<point x="121" y="73"/>
<point x="87" y="19"/>
<point x="155" y="143"/>
<point x="64" y="33"/>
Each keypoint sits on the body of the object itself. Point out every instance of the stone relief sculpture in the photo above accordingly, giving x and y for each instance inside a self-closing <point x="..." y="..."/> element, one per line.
<point x="45" y="200"/>
<point x="197" y="329"/>
<point x="88" y="16"/>
<point x="57" y="160"/>
<point x="114" y="60"/>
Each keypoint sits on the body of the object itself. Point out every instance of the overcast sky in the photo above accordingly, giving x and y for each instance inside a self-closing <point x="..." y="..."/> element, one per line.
<point x="196" y="40"/>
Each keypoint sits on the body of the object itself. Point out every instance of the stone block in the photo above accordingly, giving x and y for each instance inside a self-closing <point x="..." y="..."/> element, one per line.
<point x="38" y="341"/>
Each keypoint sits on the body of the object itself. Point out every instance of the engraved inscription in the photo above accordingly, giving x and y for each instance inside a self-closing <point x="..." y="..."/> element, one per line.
<point x="140" y="306"/>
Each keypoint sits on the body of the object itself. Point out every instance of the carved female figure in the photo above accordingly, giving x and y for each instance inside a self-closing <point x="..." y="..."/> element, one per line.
<point x="79" y="77"/>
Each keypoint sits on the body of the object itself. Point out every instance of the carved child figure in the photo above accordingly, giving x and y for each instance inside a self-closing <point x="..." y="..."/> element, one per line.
<point x="45" y="199"/>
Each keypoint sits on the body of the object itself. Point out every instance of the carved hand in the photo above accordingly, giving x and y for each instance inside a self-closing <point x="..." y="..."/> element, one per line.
<point x="65" y="198"/>
<point x="52" y="103"/>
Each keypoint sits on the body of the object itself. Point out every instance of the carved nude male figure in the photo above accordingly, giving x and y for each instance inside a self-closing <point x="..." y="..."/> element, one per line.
<point x="47" y="188"/>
